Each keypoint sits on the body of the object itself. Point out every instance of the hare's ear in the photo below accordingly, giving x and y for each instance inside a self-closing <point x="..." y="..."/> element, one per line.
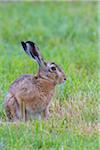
<point x="32" y="50"/>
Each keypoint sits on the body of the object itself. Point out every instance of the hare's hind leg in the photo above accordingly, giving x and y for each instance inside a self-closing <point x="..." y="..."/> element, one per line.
<point x="11" y="108"/>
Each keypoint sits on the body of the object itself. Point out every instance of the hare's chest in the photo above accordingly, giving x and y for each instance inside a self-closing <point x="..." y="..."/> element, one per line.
<point x="39" y="103"/>
<point x="46" y="96"/>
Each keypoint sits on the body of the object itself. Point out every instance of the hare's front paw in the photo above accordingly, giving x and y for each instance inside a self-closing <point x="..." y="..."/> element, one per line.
<point x="46" y="114"/>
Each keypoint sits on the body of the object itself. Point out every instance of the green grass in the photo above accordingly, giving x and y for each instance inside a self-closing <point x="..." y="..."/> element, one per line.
<point x="66" y="33"/>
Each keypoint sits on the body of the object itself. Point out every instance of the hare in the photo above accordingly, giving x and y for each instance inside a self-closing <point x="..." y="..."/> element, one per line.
<point x="29" y="96"/>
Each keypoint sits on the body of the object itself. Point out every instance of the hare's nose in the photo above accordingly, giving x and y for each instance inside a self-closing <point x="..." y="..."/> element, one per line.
<point x="64" y="79"/>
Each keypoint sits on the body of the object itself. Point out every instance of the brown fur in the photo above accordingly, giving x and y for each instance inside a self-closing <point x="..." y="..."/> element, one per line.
<point x="35" y="92"/>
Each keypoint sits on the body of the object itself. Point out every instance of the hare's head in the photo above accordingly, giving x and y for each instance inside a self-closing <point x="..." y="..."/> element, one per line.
<point x="47" y="70"/>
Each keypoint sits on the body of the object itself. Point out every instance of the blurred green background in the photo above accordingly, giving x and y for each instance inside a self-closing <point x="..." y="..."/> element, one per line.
<point x="66" y="33"/>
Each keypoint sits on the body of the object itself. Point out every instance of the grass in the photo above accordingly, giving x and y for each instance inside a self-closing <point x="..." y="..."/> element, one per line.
<point x="66" y="33"/>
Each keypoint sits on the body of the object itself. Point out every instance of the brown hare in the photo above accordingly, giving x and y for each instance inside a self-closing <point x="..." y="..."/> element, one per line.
<point x="30" y="96"/>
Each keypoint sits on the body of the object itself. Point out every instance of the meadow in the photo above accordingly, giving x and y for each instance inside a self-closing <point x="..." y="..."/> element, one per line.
<point x="67" y="33"/>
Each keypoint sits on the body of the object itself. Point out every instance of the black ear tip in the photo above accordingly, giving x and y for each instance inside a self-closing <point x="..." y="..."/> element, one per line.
<point x="31" y="43"/>
<point x="23" y="45"/>
<point x="22" y="42"/>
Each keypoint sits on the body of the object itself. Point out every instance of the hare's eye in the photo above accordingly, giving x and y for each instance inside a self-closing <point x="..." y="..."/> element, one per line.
<point x="53" y="68"/>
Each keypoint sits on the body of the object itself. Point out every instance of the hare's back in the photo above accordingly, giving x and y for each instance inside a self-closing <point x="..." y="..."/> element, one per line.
<point x="23" y="82"/>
